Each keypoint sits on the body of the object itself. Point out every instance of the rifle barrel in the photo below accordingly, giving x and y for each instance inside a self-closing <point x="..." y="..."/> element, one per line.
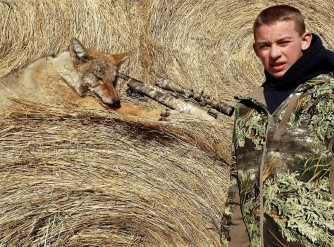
<point x="199" y="97"/>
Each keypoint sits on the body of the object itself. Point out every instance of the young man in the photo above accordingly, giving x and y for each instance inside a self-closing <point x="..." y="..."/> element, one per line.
<point x="284" y="140"/>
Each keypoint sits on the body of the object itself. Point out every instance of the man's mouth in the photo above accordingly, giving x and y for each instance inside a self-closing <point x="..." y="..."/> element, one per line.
<point x="277" y="67"/>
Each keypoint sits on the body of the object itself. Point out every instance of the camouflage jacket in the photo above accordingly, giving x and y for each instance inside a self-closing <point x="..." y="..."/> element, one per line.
<point x="291" y="151"/>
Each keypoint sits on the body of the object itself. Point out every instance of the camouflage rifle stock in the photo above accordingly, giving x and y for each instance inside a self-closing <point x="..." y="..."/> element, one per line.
<point x="167" y="99"/>
<point x="202" y="99"/>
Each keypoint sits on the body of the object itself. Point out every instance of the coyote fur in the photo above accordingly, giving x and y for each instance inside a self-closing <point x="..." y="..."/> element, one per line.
<point x="81" y="77"/>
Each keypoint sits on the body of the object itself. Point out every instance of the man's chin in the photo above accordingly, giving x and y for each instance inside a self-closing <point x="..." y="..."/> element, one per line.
<point x="277" y="74"/>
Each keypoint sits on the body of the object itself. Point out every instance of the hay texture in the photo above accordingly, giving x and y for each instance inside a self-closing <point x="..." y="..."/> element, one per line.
<point x="90" y="178"/>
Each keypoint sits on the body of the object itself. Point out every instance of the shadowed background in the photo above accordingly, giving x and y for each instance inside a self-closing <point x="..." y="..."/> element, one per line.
<point x="91" y="178"/>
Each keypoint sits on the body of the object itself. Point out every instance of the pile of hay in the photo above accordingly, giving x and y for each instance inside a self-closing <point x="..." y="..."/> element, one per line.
<point x="79" y="178"/>
<point x="92" y="178"/>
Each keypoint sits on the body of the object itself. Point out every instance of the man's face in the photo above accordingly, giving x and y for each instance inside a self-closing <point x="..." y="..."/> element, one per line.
<point x="279" y="46"/>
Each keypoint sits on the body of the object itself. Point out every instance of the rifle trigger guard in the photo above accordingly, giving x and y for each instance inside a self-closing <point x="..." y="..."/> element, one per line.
<point x="211" y="113"/>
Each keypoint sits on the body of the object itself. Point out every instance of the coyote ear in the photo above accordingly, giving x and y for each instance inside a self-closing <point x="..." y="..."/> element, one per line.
<point x="77" y="50"/>
<point x="120" y="57"/>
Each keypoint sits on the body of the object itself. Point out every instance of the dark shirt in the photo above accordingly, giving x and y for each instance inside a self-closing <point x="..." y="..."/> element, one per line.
<point x="315" y="60"/>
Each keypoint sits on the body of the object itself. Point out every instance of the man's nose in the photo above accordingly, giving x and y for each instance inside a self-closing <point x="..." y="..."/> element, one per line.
<point x="275" y="52"/>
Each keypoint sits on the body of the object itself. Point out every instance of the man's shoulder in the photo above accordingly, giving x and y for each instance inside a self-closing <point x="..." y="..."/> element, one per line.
<point x="318" y="82"/>
<point x="324" y="78"/>
<point x="256" y="96"/>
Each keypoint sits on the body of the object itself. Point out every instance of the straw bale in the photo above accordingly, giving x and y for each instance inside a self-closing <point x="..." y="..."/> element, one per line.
<point x="97" y="178"/>
<point x="92" y="178"/>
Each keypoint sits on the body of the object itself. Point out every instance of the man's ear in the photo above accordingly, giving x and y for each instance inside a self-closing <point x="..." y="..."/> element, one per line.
<point x="255" y="49"/>
<point x="307" y="39"/>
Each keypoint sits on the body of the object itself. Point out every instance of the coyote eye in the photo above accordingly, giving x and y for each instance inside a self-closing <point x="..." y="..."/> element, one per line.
<point x="98" y="75"/>
<point x="110" y="76"/>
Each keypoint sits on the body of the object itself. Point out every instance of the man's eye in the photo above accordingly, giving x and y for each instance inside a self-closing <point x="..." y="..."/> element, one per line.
<point x="263" y="47"/>
<point x="285" y="42"/>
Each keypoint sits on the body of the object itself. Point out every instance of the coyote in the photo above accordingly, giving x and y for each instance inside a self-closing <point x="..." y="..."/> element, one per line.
<point x="69" y="77"/>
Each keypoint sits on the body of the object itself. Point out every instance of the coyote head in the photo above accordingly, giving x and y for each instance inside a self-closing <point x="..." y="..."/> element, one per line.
<point x="97" y="73"/>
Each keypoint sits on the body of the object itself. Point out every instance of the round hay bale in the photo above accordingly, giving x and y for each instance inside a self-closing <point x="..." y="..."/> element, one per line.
<point x="93" y="179"/>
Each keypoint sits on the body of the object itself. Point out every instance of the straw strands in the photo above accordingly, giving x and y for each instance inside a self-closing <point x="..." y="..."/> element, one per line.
<point x="88" y="178"/>
<point x="79" y="178"/>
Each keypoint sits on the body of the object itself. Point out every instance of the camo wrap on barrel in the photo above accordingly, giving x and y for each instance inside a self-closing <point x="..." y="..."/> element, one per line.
<point x="297" y="156"/>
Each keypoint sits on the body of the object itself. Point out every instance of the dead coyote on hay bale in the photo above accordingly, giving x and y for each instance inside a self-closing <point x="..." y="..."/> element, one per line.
<point x="68" y="78"/>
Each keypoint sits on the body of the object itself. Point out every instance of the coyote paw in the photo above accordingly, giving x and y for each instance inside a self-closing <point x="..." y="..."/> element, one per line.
<point x="135" y="94"/>
<point x="164" y="115"/>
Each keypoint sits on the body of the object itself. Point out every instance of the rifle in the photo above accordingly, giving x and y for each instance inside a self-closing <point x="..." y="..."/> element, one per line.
<point x="203" y="100"/>
<point x="157" y="93"/>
